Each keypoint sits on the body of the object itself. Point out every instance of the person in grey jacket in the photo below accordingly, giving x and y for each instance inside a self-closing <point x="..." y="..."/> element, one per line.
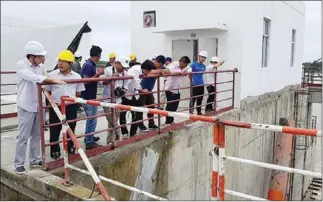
<point x="76" y="67"/>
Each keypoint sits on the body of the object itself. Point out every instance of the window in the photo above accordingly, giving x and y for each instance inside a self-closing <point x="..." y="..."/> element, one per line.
<point x="216" y="47"/>
<point x="292" y="57"/>
<point x="265" y="43"/>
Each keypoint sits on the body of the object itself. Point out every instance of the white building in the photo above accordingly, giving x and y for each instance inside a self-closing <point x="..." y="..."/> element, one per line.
<point x="240" y="32"/>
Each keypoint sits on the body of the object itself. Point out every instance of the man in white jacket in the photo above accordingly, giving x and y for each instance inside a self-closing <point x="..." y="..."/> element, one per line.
<point x="30" y="72"/>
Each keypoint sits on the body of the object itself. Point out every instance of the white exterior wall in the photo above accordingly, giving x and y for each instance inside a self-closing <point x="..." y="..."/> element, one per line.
<point x="255" y="79"/>
<point x="240" y="46"/>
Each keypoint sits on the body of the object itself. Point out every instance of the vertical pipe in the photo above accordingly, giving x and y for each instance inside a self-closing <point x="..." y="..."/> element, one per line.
<point x="221" y="161"/>
<point x="215" y="162"/>
<point x="191" y="108"/>
<point x="282" y="151"/>
<point x="41" y="125"/>
<point x="158" y="100"/>
<point x="215" y="90"/>
<point x="233" y="88"/>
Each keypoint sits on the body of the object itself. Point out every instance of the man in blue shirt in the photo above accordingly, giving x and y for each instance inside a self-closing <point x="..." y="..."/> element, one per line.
<point x="148" y="99"/>
<point x="198" y="83"/>
<point x="89" y="71"/>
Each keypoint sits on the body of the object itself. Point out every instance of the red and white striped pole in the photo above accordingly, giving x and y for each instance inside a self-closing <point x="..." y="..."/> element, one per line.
<point x="89" y="166"/>
<point x="274" y="128"/>
<point x="86" y="161"/>
<point x="215" y="163"/>
<point x="209" y="119"/>
<point x="221" y="129"/>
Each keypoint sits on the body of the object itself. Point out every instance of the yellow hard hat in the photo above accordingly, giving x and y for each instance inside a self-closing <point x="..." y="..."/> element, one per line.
<point x="112" y="55"/>
<point x="66" y="55"/>
<point x="132" y="56"/>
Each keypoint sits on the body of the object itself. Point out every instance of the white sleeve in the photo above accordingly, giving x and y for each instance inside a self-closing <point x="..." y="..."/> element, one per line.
<point x="24" y="73"/>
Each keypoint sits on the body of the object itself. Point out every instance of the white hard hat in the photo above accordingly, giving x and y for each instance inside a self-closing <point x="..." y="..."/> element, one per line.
<point x="34" y="48"/>
<point x="77" y="54"/>
<point x="124" y="61"/>
<point x="203" y="54"/>
<point x="215" y="59"/>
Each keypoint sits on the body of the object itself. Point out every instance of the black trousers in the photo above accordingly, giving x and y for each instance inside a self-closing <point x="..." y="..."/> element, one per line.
<point x="172" y="106"/>
<point x="210" y="99"/>
<point x="147" y="99"/>
<point x="55" y="131"/>
<point x="199" y="90"/>
<point x="134" y="126"/>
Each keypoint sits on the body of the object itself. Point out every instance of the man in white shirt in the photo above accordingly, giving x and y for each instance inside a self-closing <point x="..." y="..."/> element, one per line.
<point x="30" y="72"/>
<point x="134" y="87"/>
<point x="120" y="89"/>
<point x="173" y="83"/>
<point x="64" y="71"/>
<point x="215" y="63"/>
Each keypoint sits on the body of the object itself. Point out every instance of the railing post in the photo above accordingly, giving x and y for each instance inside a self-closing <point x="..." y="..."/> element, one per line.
<point x="191" y="108"/>
<point x="221" y="161"/>
<point x="215" y="90"/>
<point x="65" y="148"/>
<point x="233" y="88"/>
<point x="158" y="101"/>
<point x="41" y="124"/>
<point x="215" y="162"/>
<point x="113" y="111"/>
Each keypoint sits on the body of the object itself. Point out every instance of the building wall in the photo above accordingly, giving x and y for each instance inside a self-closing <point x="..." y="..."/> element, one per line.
<point x="257" y="80"/>
<point x="240" y="46"/>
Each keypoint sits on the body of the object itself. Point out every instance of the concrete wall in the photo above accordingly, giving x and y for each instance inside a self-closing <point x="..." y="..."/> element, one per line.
<point x="177" y="165"/>
<point x="238" y="26"/>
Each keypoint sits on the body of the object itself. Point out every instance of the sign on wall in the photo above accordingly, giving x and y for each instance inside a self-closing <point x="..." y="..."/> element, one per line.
<point x="149" y="19"/>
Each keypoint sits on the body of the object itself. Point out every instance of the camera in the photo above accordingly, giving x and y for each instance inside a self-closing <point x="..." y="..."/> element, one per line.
<point x="118" y="92"/>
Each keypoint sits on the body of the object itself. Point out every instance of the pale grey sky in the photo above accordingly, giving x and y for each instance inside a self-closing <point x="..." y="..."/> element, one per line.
<point x="110" y="24"/>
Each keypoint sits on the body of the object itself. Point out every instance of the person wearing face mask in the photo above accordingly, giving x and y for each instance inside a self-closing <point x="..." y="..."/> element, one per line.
<point x="30" y="72"/>
<point x="197" y="83"/>
<point x="215" y="63"/>
<point x="64" y="71"/>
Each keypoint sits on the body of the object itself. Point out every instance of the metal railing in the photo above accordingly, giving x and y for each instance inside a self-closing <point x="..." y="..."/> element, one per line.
<point x="311" y="77"/>
<point x="223" y="88"/>
<point x="219" y="157"/>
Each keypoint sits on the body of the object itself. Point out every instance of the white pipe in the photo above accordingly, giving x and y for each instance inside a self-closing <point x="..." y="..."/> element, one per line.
<point x="119" y="184"/>
<point x="275" y="167"/>
<point x="242" y="195"/>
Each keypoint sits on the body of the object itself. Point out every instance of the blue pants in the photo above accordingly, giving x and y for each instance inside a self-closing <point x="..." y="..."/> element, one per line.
<point x="90" y="123"/>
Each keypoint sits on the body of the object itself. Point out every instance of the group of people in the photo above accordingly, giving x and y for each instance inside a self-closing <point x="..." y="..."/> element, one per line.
<point x="135" y="92"/>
